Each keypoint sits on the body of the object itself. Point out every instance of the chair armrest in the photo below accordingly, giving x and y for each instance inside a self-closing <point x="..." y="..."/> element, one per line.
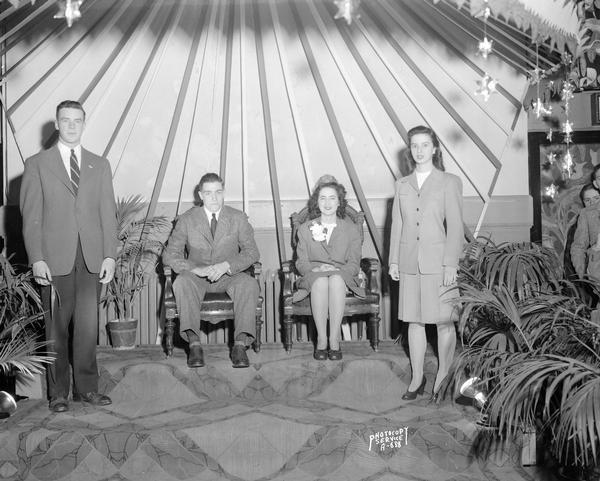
<point x="287" y="269"/>
<point x="256" y="269"/>
<point x="169" y="299"/>
<point x="370" y="267"/>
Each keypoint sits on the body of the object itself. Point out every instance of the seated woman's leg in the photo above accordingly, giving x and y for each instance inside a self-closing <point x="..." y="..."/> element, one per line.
<point x="319" y="303"/>
<point x="337" y="302"/>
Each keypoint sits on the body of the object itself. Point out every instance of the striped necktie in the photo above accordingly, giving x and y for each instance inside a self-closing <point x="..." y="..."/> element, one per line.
<point x="74" y="172"/>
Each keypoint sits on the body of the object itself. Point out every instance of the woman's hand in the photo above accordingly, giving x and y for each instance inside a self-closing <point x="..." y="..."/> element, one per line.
<point x="393" y="272"/>
<point x="450" y="274"/>
<point x="324" y="268"/>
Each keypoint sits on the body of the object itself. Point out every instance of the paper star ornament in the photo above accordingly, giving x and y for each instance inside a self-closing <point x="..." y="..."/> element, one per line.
<point x="485" y="47"/>
<point x="69" y="10"/>
<point x="487" y="87"/>
<point x="347" y="9"/>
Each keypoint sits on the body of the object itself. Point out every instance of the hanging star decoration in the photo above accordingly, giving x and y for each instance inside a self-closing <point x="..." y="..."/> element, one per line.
<point x="567" y="129"/>
<point x="568" y="164"/>
<point x="551" y="191"/>
<point x="551" y="156"/>
<point x="549" y="135"/>
<point x="485" y="12"/>
<point x="487" y="87"/>
<point x="69" y="10"/>
<point x="347" y="9"/>
<point x="485" y="47"/>
<point x="540" y="109"/>
<point x="567" y="91"/>
<point x="535" y="76"/>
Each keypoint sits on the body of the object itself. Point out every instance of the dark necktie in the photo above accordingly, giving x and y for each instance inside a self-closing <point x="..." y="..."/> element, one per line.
<point x="213" y="225"/>
<point x="74" y="172"/>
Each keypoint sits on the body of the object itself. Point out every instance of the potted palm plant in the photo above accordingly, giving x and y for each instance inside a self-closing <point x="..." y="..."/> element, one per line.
<point x="21" y="334"/>
<point x="141" y="241"/>
<point x="533" y="343"/>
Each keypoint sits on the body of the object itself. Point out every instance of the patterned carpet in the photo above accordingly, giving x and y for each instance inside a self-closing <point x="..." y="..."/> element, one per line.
<point x="287" y="417"/>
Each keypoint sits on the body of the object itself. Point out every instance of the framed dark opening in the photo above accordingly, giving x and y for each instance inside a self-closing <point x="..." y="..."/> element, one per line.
<point x="554" y="213"/>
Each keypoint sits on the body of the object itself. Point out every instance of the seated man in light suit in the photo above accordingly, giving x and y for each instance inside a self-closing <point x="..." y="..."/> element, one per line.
<point x="220" y="245"/>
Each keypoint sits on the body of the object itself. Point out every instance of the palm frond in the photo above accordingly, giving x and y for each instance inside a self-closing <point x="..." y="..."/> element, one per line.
<point x="20" y="347"/>
<point x="563" y="391"/>
<point x="141" y="241"/>
<point x="522" y="267"/>
<point x="532" y="340"/>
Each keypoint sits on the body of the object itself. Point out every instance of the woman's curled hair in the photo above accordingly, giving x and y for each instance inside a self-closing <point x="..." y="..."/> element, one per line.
<point x="313" y="202"/>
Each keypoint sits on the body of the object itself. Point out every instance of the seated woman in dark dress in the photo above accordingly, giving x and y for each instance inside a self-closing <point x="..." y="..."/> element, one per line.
<point x="329" y="252"/>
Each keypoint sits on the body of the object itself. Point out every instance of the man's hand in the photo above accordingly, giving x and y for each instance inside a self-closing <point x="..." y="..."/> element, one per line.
<point x="107" y="270"/>
<point x="200" y="271"/>
<point x="450" y="274"/>
<point x="393" y="272"/>
<point x="41" y="273"/>
<point x="212" y="273"/>
<point x="215" y="272"/>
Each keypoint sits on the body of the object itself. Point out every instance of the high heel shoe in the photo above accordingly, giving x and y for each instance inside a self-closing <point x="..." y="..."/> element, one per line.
<point x="410" y="395"/>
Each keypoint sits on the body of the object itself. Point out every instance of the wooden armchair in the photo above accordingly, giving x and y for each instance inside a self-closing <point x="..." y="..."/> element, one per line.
<point x="366" y="307"/>
<point x="217" y="306"/>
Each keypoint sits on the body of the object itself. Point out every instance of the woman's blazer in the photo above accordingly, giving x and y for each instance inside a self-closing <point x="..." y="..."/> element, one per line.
<point x="343" y="251"/>
<point x="427" y="225"/>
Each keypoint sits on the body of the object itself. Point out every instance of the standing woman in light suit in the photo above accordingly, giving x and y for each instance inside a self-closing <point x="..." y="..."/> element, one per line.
<point x="426" y="241"/>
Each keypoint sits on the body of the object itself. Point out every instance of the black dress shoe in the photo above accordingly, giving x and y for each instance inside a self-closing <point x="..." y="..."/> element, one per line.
<point x="93" y="398"/>
<point x="410" y="395"/>
<point x="335" y="354"/>
<point x="59" y="405"/>
<point x="196" y="356"/>
<point x="320" y="354"/>
<point x="239" y="358"/>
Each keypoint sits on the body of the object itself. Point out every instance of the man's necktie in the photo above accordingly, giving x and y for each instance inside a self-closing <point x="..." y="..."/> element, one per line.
<point x="74" y="172"/>
<point x="213" y="225"/>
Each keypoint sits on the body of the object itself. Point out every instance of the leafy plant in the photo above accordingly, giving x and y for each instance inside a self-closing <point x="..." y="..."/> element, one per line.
<point x="141" y="241"/>
<point x="534" y="343"/>
<point x="20" y="313"/>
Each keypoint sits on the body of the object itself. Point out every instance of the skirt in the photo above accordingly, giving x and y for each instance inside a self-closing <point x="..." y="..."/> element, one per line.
<point x="423" y="298"/>
<point x="304" y="284"/>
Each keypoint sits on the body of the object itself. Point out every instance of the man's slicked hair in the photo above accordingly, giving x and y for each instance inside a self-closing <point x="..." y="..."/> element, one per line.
<point x="69" y="104"/>
<point x="209" y="177"/>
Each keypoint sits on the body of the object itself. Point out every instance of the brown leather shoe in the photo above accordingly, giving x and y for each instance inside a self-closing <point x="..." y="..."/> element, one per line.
<point x="196" y="356"/>
<point x="239" y="358"/>
<point x="59" y="405"/>
<point x="93" y="398"/>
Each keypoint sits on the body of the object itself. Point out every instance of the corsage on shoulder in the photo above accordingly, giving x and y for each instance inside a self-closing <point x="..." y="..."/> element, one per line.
<point x="318" y="231"/>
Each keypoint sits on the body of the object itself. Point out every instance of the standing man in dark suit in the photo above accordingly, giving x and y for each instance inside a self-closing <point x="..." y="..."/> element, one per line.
<point x="220" y="245"/>
<point x="70" y="231"/>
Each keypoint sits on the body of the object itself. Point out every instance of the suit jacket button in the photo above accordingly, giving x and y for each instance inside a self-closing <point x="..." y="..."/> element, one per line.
<point x="417" y="238"/>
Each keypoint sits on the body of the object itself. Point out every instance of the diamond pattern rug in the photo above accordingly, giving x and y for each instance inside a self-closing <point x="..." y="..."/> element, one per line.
<point x="284" y="418"/>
